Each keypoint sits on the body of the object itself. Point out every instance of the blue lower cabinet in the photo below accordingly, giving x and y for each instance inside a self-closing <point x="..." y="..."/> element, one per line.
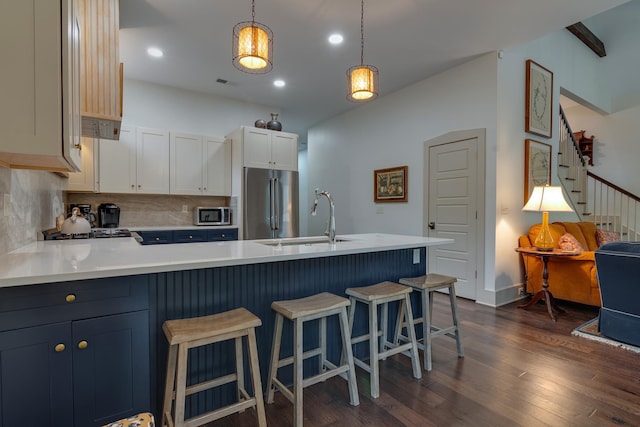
<point x="189" y="236"/>
<point x="63" y="364"/>
<point x="110" y="367"/>
<point x="223" y="234"/>
<point x="156" y="237"/>
<point x="35" y="372"/>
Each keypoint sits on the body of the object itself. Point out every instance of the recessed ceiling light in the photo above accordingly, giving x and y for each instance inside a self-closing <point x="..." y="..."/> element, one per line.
<point x="279" y="83"/>
<point x="335" y="38"/>
<point x="155" y="52"/>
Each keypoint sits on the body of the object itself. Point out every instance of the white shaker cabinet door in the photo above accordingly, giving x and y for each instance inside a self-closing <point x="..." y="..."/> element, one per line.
<point x="152" y="161"/>
<point x="284" y="151"/>
<point x="186" y="160"/>
<point x="216" y="167"/>
<point x="257" y="148"/>
<point x="117" y="169"/>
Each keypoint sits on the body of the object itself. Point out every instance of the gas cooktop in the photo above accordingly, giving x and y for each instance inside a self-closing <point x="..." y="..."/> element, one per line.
<point x="95" y="233"/>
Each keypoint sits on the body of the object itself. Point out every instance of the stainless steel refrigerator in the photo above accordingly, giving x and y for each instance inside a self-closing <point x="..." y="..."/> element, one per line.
<point x="270" y="204"/>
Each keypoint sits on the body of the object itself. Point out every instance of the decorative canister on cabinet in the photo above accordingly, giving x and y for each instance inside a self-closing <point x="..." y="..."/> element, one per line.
<point x="262" y="124"/>
<point x="274" y="124"/>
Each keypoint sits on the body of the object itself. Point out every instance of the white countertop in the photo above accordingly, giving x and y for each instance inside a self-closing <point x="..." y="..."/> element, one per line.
<point x="66" y="260"/>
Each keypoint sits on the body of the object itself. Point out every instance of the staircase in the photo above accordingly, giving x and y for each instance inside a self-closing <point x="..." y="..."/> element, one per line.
<point x="591" y="196"/>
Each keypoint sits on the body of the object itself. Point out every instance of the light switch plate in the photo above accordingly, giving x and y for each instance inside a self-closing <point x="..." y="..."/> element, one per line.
<point x="185" y="208"/>
<point x="416" y="256"/>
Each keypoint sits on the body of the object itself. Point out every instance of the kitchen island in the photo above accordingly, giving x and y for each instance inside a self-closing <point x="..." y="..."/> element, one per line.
<point x="120" y="293"/>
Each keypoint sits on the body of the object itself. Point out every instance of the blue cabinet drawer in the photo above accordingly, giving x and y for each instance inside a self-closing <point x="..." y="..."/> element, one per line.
<point x="27" y="306"/>
<point x="156" y="237"/>
<point x="187" y="236"/>
<point x="223" y="234"/>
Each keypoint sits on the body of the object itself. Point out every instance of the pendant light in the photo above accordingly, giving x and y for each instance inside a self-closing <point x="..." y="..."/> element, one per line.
<point x="252" y="46"/>
<point x="362" y="80"/>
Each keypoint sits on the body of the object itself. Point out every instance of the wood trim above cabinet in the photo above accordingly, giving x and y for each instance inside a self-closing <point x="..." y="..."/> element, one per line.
<point x="101" y="70"/>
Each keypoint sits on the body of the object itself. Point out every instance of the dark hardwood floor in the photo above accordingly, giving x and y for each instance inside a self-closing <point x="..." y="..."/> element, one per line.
<point x="519" y="369"/>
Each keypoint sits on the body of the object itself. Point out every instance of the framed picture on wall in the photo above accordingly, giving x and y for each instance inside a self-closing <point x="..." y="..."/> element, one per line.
<point x="539" y="100"/>
<point x="390" y="185"/>
<point x="537" y="166"/>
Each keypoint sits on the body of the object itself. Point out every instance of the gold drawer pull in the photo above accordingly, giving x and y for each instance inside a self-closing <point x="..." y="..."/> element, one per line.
<point x="59" y="348"/>
<point x="82" y="345"/>
<point x="70" y="298"/>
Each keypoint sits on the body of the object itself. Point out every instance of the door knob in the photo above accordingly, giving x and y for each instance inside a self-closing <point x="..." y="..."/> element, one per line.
<point x="432" y="225"/>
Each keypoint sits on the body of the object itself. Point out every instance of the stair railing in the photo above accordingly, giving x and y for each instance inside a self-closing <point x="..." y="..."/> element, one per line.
<point x="614" y="208"/>
<point x="576" y="166"/>
<point x="594" y="198"/>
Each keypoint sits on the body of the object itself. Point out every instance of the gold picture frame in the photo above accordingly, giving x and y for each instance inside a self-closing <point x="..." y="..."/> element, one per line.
<point x="539" y="100"/>
<point x="537" y="165"/>
<point x="390" y="185"/>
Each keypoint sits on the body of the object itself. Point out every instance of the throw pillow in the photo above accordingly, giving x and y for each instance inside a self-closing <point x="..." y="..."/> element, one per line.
<point x="569" y="243"/>
<point x="605" y="236"/>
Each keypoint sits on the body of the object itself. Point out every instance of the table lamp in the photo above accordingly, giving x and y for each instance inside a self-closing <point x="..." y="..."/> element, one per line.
<point x="546" y="199"/>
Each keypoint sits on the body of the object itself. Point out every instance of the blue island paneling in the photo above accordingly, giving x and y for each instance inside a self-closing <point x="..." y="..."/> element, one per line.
<point x="193" y="293"/>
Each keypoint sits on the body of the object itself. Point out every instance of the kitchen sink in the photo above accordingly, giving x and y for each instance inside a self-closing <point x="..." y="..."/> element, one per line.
<point x="299" y="241"/>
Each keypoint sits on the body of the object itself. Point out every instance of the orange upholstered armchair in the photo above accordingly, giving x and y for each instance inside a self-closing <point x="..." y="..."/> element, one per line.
<point x="570" y="278"/>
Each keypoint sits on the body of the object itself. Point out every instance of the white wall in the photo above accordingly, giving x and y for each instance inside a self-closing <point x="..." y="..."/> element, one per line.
<point x="616" y="144"/>
<point x="344" y="151"/>
<point x="163" y="107"/>
<point x="485" y="93"/>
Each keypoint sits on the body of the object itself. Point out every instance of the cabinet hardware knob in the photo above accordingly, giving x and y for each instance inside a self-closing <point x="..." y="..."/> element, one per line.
<point x="83" y="344"/>
<point x="199" y="188"/>
<point x="59" y="348"/>
<point x="222" y="235"/>
<point x="139" y="186"/>
<point x="205" y="188"/>
<point x="191" y="237"/>
<point x="133" y="186"/>
<point x="70" y="298"/>
<point x="157" y="238"/>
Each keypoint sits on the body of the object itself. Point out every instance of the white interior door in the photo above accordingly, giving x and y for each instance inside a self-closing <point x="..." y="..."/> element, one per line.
<point x="452" y="211"/>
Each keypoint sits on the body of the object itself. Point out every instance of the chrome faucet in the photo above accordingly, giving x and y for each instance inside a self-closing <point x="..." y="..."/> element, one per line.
<point x="331" y="225"/>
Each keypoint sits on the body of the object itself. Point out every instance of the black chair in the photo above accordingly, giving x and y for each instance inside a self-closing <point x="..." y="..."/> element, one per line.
<point x="618" y="266"/>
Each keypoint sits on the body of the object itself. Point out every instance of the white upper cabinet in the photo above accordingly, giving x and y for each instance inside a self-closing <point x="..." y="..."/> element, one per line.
<point x="137" y="163"/>
<point x="267" y="149"/>
<point x="152" y="161"/>
<point x="87" y="179"/>
<point x="217" y="166"/>
<point x="200" y="165"/>
<point x="39" y="108"/>
<point x="117" y="160"/>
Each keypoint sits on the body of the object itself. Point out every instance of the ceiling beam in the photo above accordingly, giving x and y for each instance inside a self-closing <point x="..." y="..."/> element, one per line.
<point x="587" y="37"/>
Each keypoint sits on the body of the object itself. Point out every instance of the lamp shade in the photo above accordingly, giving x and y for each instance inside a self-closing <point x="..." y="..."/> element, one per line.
<point x="547" y="199"/>
<point x="252" y="47"/>
<point x="362" y="82"/>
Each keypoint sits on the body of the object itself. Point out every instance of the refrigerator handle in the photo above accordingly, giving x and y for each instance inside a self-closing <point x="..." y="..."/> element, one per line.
<point x="275" y="204"/>
<point x="272" y="191"/>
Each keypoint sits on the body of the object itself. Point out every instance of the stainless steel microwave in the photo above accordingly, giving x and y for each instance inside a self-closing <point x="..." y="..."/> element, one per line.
<point x="211" y="215"/>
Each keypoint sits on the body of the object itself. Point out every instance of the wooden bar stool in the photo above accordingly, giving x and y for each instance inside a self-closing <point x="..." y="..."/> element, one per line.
<point x="301" y="310"/>
<point x="184" y="334"/>
<point x="426" y="285"/>
<point x="381" y="295"/>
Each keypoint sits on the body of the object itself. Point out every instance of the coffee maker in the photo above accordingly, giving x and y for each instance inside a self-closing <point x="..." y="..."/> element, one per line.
<point x="108" y="215"/>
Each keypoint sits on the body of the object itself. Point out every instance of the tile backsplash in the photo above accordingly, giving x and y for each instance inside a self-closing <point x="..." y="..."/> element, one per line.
<point x="150" y="209"/>
<point x="35" y="199"/>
